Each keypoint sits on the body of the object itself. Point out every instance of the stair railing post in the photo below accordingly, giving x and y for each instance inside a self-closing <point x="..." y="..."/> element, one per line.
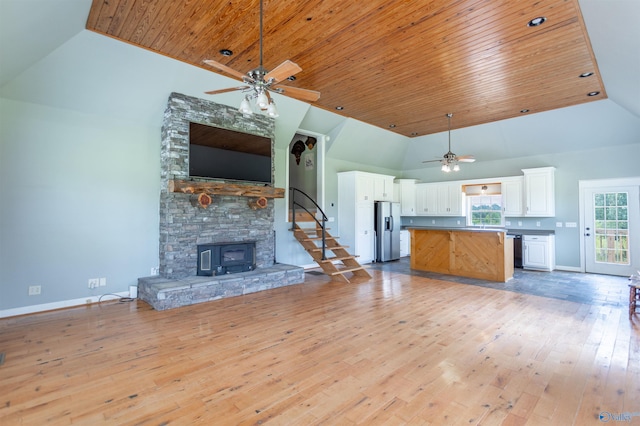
<point x="324" y="244"/>
<point x="293" y="207"/>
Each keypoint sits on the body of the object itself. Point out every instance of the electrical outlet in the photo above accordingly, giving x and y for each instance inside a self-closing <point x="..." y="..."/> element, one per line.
<point x="34" y="290"/>
<point x="94" y="282"/>
<point x="102" y="282"/>
<point x="507" y="223"/>
<point x="155" y="270"/>
<point x="537" y="223"/>
<point x="519" y="223"/>
<point x="558" y="224"/>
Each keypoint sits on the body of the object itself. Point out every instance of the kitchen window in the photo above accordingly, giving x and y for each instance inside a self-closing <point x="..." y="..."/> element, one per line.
<point x="484" y="210"/>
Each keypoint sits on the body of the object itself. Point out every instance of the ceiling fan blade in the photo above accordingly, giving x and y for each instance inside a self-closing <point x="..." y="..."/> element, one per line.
<point x="221" y="67"/>
<point x="230" y="89"/>
<point x="466" y="158"/>
<point x="296" y="92"/>
<point x="433" y="161"/>
<point x="282" y="71"/>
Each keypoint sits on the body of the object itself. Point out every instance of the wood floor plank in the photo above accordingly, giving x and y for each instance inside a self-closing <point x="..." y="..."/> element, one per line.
<point x="397" y="349"/>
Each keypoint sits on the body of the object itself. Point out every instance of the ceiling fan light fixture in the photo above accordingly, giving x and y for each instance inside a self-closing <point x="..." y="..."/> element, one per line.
<point x="445" y="168"/>
<point x="272" y="110"/>
<point x="262" y="101"/>
<point x="456" y="167"/>
<point x="245" y="106"/>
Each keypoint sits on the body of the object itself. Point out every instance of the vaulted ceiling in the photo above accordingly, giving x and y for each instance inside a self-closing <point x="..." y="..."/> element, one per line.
<point x="394" y="64"/>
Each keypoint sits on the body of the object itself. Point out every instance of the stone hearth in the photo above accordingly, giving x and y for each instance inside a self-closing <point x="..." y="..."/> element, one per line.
<point x="229" y="218"/>
<point x="163" y="293"/>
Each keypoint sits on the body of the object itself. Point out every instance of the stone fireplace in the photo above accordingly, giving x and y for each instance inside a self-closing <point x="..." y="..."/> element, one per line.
<point x="228" y="219"/>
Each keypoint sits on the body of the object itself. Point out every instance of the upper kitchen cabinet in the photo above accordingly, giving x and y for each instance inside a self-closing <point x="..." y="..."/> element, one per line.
<point x="407" y="196"/>
<point x="426" y="199"/>
<point x="451" y="199"/>
<point x="382" y="187"/>
<point x="539" y="192"/>
<point x="511" y="189"/>
<point x="369" y="186"/>
<point x="440" y="199"/>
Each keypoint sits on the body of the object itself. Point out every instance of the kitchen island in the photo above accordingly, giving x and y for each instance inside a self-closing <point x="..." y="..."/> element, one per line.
<point x="467" y="252"/>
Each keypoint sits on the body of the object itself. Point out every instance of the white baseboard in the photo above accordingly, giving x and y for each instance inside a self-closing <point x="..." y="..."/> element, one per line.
<point x="568" y="268"/>
<point x="32" y="309"/>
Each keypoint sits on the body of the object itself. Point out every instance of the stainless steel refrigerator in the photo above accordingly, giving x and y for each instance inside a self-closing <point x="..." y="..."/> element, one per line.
<point x="387" y="227"/>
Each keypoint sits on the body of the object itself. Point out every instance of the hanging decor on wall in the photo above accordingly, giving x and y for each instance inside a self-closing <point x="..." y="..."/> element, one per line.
<point x="297" y="150"/>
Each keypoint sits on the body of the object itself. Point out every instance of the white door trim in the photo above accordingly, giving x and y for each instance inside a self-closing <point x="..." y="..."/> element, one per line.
<point x="593" y="184"/>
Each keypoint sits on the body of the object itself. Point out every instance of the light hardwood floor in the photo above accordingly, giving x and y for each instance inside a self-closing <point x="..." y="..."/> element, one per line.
<point x="397" y="349"/>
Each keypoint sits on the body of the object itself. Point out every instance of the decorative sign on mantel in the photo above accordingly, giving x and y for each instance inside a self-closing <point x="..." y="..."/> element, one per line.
<point x="221" y="188"/>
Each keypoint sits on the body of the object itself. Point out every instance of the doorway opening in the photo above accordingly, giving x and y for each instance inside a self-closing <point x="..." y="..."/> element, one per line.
<point x="305" y="172"/>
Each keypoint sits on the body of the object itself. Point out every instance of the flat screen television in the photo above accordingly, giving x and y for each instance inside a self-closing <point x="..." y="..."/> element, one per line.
<point x="218" y="153"/>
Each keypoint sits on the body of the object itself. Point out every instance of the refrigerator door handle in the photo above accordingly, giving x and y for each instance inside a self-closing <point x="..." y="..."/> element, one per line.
<point x="391" y="220"/>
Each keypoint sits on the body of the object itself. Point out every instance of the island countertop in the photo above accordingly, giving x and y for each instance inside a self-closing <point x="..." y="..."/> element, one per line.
<point x="468" y="252"/>
<point x="461" y="228"/>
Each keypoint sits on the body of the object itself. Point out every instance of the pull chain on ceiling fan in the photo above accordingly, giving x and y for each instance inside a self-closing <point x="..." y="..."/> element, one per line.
<point x="259" y="82"/>
<point x="450" y="160"/>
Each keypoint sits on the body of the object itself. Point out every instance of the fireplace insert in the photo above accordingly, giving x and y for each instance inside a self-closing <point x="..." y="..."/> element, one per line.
<point x="226" y="258"/>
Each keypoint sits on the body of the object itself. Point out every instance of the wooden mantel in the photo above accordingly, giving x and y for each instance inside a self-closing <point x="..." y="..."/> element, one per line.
<point x="222" y="188"/>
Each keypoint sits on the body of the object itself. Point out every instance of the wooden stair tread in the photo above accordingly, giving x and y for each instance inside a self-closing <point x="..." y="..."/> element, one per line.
<point x="337" y="258"/>
<point x="318" y="238"/>
<point x="330" y="248"/>
<point x="344" y="271"/>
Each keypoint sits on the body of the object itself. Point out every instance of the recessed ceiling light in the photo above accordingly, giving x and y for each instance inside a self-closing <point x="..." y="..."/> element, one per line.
<point x="524" y="110"/>
<point x="586" y="74"/>
<point x="414" y="133"/>
<point x="593" y="93"/>
<point x="226" y="52"/>
<point x="392" y="126"/>
<point x="291" y="78"/>
<point x="536" y="21"/>
<point x="339" y="107"/>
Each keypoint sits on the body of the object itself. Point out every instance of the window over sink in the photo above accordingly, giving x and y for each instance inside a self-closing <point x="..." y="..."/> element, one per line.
<point x="484" y="204"/>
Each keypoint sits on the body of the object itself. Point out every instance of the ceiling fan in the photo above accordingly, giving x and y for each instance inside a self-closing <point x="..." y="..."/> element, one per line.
<point x="259" y="82"/>
<point x="450" y="160"/>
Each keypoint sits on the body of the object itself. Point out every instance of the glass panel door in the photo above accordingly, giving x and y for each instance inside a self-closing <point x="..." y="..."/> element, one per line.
<point x="611" y="237"/>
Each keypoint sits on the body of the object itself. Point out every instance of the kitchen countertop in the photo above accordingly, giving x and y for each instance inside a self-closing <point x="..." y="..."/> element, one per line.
<point x="531" y="231"/>
<point x="453" y="228"/>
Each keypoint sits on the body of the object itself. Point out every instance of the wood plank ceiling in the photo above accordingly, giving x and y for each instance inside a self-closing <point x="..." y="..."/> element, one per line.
<point x="395" y="64"/>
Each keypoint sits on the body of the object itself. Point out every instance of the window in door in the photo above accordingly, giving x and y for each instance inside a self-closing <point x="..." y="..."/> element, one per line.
<point x="611" y="227"/>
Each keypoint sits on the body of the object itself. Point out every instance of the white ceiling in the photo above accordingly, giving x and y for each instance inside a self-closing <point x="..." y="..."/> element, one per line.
<point x="48" y="58"/>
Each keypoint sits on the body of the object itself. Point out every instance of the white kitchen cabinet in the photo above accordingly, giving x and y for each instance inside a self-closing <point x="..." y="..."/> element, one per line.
<point x="382" y="187"/>
<point x="539" y="192"/>
<point x="407" y="196"/>
<point x="363" y="186"/>
<point x="450" y="199"/>
<point x="364" y="245"/>
<point x="426" y="199"/>
<point x="538" y="252"/>
<point x="405" y="243"/>
<point x="440" y="199"/>
<point x="356" y="194"/>
<point x="511" y="189"/>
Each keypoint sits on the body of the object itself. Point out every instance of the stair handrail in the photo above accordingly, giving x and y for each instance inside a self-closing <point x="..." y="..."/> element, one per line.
<point x="322" y="225"/>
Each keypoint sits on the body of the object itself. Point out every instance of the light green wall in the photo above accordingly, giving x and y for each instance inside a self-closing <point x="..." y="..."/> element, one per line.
<point x="79" y="200"/>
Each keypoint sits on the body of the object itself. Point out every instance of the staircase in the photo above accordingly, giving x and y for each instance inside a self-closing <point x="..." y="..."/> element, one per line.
<point x="317" y="241"/>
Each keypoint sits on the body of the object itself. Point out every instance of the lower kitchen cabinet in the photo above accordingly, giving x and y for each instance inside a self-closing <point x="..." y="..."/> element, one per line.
<point x="405" y="243"/>
<point x="538" y="252"/>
